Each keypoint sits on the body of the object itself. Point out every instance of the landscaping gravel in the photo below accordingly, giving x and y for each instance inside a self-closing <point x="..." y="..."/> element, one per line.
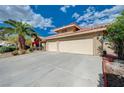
<point x="115" y="73"/>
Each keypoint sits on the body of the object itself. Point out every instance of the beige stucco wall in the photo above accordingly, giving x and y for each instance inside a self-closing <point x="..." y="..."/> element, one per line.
<point x="97" y="44"/>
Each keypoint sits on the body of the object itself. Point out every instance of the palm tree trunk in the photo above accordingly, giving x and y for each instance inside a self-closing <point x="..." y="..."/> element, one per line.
<point x="21" y="42"/>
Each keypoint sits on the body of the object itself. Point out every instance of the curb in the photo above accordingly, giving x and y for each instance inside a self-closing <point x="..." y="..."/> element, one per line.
<point x="104" y="62"/>
<point x="104" y="73"/>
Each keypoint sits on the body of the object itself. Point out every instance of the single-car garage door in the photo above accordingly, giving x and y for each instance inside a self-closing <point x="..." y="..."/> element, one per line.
<point x="82" y="46"/>
<point x="52" y="46"/>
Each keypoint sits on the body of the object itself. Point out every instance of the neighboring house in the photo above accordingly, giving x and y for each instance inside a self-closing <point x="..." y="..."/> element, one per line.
<point x="6" y="43"/>
<point x="73" y="39"/>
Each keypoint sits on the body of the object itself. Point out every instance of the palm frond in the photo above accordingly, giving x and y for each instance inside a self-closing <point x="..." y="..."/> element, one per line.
<point x="11" y="22"/>
<point x="17" y="27"/>
<point x="7" y="30"/>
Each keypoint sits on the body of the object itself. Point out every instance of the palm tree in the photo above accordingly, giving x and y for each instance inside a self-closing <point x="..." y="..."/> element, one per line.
<point x="19" y="28"/>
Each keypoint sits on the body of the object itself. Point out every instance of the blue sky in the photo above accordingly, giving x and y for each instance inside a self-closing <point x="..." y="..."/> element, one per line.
<point x="45" y="18"/>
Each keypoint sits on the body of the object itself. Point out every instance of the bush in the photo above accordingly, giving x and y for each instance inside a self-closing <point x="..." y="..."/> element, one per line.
<point x="4" y="49"/>
<point x="115" y="35"/>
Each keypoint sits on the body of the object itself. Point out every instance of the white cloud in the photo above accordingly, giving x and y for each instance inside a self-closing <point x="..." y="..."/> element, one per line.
<point x="52" y="31"/>
<point x="25" y="14"/>
<point x="87" y="14"/>
<point x="65" y="7"/>
<point x="92" y="17"/>
<point x="75" y="15"/>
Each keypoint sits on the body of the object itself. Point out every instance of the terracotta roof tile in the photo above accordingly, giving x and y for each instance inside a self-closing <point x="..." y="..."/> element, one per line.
<point x="81" y="31"/>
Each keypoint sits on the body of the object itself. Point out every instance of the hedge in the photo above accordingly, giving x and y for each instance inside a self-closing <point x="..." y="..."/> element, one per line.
<point x="4" y="49"/>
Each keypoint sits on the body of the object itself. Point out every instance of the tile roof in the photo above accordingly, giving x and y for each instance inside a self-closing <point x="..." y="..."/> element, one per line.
<point x="70" y="25"/>
<point x="79" y="32"/>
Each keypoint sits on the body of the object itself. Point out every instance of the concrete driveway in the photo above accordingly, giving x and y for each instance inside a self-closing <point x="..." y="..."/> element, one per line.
<point x="50" y="69"/>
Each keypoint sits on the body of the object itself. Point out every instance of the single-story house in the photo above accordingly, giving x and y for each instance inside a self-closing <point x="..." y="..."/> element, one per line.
<point x="74" y="39"/>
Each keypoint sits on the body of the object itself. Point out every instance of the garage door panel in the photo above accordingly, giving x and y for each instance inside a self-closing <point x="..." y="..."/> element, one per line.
<point x="52" y="46"/>
<point x="83" y="46"/>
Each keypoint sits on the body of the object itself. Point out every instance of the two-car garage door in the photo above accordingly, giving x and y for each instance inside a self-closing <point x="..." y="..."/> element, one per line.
<point x="81" y="46"/>
<point x="52" y="46"/>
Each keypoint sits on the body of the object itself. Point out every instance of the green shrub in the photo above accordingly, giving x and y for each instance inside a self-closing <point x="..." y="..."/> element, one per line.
<point x="115" y="35"/>
<point x="4" y="49"/>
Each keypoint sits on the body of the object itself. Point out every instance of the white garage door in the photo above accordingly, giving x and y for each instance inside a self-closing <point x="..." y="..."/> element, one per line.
<point x="52" y="46"/>
<point x="82" y="46"/>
